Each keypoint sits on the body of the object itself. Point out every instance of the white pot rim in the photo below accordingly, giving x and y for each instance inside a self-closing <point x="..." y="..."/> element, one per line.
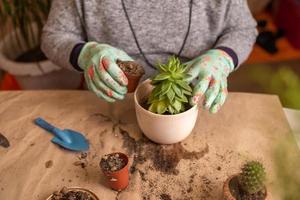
<point x="155" y="114"/>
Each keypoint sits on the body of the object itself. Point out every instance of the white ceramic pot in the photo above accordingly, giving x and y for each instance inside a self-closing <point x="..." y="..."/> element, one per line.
<point x="34" y="75"/>
<point x="162" y="129"/>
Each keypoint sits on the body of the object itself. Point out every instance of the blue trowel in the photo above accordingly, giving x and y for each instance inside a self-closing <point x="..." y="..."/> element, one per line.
<point x="66" y="138"/>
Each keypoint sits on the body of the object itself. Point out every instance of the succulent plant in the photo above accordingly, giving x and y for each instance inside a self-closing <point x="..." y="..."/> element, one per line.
<point x="171" y="92"/>
<point x="252" y="178"/>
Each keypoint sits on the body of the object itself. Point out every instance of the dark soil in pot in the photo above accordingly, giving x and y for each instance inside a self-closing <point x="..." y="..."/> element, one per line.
<point x="238" y="194"/>
<point x="67" y="194"/>
<point x="112" y="163"/>
<point x="32" y="55"/>
<point x="133" y="72"/>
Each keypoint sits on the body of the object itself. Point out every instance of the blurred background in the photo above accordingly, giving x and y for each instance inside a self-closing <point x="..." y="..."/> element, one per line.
<point x="273" y="67"/>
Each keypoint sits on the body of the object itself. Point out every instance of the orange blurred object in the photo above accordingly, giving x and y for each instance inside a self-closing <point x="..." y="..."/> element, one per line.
<point x="9" y="83"/>
<point x="285" y="50"/>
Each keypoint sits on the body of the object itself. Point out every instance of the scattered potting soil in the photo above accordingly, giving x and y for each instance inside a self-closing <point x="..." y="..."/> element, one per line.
<point x="165" y="158"/>
<point x="83" y="155"/>
<point x="80" y="163"/>
<point x="64" y="194"/>
<point x="192" y="178"/>
<point x="49" y="164"/>
<point x="105" y="118"/>
<point x="207" y="188"/>
<point x="82" y="160"/>
<point x="33" y="55"/>
<point x="131" y="68"/>
<point x="4" y="141"/>
<point x="189" y="190"/>
<point x="238" y="193"/>
<point x="112" y="163"/>
<point x="165" y="197"/>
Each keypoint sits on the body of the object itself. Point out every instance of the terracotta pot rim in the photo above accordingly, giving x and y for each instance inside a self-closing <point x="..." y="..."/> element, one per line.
<point x="130" y="74"/>
<point x="226" y="189"/>
<point x="78" y="189"/>
<point x="155" y="114"/>
<point x="115" y="172"/>
<point x="136" y="76"/>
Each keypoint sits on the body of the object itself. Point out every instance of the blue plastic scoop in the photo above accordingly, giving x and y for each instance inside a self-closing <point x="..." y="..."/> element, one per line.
<point x="66" y="138"/>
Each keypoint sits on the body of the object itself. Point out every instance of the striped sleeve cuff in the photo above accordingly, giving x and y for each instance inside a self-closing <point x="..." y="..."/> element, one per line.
<point x="74" y="56"/>
<point x="231" y="53"/>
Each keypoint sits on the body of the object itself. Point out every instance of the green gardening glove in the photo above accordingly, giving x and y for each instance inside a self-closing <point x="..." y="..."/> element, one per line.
<point x="102" y="75"/>
<point x="211" y="69"/>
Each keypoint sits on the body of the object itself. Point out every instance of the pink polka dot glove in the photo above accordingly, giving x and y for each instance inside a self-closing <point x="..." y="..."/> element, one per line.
<point x="211" y="69"/>
<point x="102" y="75"/>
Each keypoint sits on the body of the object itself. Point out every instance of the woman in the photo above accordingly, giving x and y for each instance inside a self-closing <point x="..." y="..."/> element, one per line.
<point x="213" y="36"/>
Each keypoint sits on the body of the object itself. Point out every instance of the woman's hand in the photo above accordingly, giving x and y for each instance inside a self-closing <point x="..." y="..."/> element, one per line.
<point x="102" y="75"/>
<point x="211" y="69"/>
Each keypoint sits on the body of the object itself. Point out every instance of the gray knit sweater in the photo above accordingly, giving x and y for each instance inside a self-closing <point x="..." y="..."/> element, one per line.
<point x="160" y="27"/>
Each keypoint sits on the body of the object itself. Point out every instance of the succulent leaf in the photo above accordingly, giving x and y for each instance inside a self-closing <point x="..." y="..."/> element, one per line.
<point x="171" y="90"/>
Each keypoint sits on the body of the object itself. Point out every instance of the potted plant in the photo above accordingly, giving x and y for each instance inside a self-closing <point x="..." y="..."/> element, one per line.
<point x="248" y="185"/>
<point x="133" y="71"/>
<point x="162" y="106"/>
<point x="73" y="193"/>
<point x="20" y="38"/>
<point x="115" y="168"/>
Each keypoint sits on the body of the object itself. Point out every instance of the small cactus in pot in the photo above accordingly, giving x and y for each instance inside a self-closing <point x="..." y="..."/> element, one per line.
<point x="249" y="184"/>
<point x="252" y="178"/>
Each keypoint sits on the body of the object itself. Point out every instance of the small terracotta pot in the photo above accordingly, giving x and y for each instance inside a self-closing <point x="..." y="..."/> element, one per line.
<point x="133" y="82"/>
<point x="133" y="78"/>
<point x="226" y="190"/>
<point x="227" y="195"/>
<point x="117" y="180"/>
<point x="80" y="190"/>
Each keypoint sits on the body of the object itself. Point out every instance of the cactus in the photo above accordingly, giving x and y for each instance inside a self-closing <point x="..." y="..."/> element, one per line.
<point x="252" y="178"/>
<point x="256" y="196"/>
<point x="171" y="92"/>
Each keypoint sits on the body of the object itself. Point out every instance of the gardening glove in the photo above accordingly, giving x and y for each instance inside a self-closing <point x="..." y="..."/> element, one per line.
<point x="211" y="69"/>
<point x="102" y="75"/>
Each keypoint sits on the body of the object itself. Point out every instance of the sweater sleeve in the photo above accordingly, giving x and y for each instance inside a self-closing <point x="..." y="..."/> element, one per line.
<point x="62" y="32"/>
<point x="239" y="30"/>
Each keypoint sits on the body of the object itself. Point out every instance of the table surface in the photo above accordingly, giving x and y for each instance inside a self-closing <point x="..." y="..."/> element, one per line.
<point x="247" y="127"/>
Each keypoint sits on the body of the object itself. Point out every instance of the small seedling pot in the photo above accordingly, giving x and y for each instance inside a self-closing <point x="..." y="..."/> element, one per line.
<point x="227" y="194"/>
<point x="133" y="82"/>
<point x="117" y="180"/>
<point x="78" y="189"/>
<point x="162" y="129"/>
<point x="133" y="71"/>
